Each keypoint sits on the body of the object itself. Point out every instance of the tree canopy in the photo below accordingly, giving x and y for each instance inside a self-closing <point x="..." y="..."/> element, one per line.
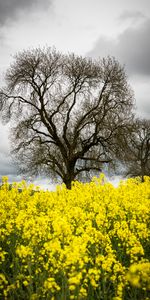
<point x="136" y="156"/>
<point x="67" y="112"/>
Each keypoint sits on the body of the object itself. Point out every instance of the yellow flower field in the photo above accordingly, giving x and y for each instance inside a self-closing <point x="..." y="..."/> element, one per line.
<point x="91" y="242"/>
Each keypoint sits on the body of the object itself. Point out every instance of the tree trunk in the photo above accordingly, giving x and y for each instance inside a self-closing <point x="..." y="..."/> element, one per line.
<point x="70" y="176"/>
<point x="142" y="178"/>
<point x="142" y="171"/>
<point x="68" y="183"/>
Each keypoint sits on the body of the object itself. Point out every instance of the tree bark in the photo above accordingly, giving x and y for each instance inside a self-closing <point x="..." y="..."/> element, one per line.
<point x="68" y="183"/>
<point x="70" y="175"/>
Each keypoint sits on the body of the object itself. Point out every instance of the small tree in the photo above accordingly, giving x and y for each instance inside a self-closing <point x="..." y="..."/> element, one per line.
<point x="67" y="112"/>
<point x="137" y="149"/>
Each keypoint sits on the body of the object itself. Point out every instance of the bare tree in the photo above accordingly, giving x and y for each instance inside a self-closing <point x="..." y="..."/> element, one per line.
<point x="137" y="149"/>
<point x="67" y="112"/>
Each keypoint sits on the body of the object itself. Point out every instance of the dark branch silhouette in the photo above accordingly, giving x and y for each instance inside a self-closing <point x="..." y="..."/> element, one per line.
<point x="67" y="112"/>
<point x="136" y="155"/>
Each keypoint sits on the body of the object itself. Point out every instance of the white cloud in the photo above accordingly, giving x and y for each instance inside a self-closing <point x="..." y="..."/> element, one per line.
<point x="79" y="26"/>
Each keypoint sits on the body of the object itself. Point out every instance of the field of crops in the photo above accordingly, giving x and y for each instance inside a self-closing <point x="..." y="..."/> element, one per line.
<point x="91" y="242"/>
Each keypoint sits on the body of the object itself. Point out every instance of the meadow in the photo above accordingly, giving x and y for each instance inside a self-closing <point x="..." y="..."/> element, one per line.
<point x="91" y="242"/>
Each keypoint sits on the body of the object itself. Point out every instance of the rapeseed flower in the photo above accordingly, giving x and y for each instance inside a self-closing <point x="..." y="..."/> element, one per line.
<point x="88" y="243"/>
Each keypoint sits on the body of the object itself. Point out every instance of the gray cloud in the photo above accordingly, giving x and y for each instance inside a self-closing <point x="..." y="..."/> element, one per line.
<point x="10" y="8"/>
<point x="131" y="48"/>
<point x="133" y="16"/>
<point x="141" y="86"/>
<point x="6" y="166"/>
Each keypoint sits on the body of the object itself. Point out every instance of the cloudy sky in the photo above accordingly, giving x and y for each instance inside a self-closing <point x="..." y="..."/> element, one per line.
<point x="93" y="28"/>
